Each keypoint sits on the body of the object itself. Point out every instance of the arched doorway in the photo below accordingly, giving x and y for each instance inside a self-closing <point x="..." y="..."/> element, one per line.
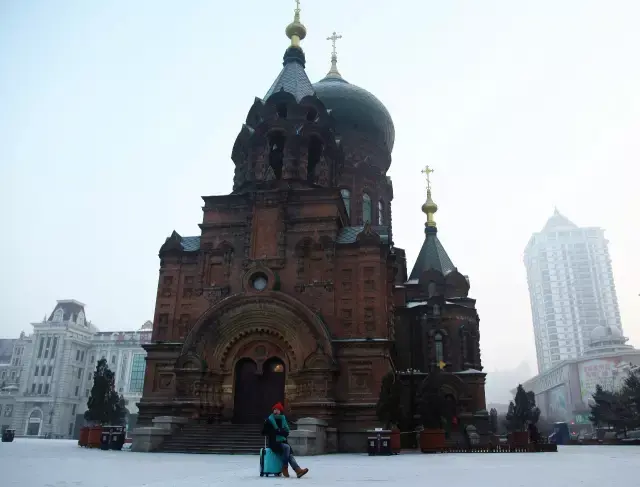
<point x="255" y="393"/>
<point x="451" y="411"/>
<point x="246" y="393"/>
<point x="273" y="379"/>
<point x="34" y="423"/>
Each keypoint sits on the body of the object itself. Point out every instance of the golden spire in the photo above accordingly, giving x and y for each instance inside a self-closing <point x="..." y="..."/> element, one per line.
<point x="333" y="72"/>
<point x="295" y="30"/>
<point x="429" y="207"/>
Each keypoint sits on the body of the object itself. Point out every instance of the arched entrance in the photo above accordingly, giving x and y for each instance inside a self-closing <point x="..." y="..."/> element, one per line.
<point x="34" y="423"/>
<point x="257" y="390"/>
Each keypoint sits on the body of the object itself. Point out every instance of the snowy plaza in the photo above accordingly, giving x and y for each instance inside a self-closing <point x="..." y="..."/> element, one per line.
<point x="61" y="463"/>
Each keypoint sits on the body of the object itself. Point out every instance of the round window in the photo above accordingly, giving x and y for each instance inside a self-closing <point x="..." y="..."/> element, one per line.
<point x="259" y="282"/>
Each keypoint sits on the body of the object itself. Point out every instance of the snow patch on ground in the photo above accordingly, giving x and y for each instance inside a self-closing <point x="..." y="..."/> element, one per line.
<point x="61" y="463"/>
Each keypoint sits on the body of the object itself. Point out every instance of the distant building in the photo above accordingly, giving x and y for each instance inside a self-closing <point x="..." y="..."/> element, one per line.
<point x="571" y="289"/>
<point x="564" y="392"/>
<point x="54" y="370"/>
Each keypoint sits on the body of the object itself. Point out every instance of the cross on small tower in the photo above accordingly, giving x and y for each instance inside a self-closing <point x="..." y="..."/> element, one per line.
<point x="427" y="172"/>
<point x="298" y="5"/>
<point x="333" y="38"/>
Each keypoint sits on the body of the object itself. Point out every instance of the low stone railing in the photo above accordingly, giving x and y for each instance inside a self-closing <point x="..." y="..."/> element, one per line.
<point x="151" y="438"/>
<point x="313" y="437"/>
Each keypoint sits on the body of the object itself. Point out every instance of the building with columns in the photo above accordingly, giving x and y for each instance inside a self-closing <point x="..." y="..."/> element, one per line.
<point x="55" y="371"/>
<point x="564" y="392"/>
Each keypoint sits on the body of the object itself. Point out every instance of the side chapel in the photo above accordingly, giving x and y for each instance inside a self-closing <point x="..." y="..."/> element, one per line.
<point x="294" y="290"/>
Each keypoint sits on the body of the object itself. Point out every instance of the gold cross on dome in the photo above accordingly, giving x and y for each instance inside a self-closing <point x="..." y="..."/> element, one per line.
<point x="427" y="171"/>
<point x="298" y="5"/>
<point x="442" y="365"/>
<point x="333" y="38"/>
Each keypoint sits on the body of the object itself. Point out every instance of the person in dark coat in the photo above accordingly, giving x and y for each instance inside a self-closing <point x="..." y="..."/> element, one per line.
<point x="276" y="429"/>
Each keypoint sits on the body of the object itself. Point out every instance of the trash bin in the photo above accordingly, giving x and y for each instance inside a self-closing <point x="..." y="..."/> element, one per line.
<point x="116" y="440"/>
<point x="385" y="446"/>
<point x="372" y="445"/>
<point x="379" y="443"/>
<point x="105" y="437"/>
<point x="8" y="435"/>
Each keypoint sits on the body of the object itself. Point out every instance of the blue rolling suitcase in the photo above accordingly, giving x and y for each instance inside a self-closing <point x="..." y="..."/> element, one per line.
<point x="270" y="463"/>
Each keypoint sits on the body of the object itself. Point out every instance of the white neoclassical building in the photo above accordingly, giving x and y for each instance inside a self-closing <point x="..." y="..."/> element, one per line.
<point x="56" y="372"/>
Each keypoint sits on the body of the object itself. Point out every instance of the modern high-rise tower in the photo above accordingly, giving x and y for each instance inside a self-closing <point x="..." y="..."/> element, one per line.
<point x="571" y="288"/>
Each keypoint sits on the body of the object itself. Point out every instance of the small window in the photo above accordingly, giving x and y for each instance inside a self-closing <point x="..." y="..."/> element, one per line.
<point x="46" y="388"/>
<point x="113" y="359"/>
<point x="346" y="198"/>
<point x="312" y="115"/>
<point x="37" y="370"/>
<point x="77" y="389"/>
<point x="314" y="154"/>
<point x="50" y="371"/>
<point x="439" y="347"/>
<point x="366" y="208"/>
<point x="33" y="388"/>
<point x="53" y="348"/>
<point x="39" y="388"/>
<point x="380" y="213"/>
<point x="259" y="282"/>
<point x="282" y="110"/>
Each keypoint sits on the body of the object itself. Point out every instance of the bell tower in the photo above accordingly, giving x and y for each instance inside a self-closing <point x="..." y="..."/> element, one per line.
<point x="288" y="139"/>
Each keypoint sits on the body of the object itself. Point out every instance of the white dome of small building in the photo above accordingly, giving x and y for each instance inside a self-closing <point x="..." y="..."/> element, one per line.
<point x="606" y="339"/>
<point x="606" y="333"/>
<point x="148" y="325"/>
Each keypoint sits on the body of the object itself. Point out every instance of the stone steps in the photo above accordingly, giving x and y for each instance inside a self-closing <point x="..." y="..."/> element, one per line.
<point x="227" y="439"/>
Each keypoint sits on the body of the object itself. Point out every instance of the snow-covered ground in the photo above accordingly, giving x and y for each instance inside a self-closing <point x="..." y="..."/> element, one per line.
<point x="61" y="463"/>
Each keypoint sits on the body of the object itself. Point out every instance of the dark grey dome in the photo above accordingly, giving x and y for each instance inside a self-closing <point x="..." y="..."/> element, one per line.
<point x="354" y="107"/>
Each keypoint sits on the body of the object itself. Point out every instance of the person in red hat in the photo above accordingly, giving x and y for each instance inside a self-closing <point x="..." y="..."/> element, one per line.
<point x="277" y="430"/>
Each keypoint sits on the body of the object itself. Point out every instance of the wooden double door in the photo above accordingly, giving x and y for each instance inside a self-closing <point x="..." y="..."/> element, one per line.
<point x="256" y="391"/>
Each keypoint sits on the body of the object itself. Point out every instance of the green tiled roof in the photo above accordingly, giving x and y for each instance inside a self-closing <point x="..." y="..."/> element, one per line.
<point x="348" y="235"/>
<point x="432" y="256"/>
<point x="190" y="244"/>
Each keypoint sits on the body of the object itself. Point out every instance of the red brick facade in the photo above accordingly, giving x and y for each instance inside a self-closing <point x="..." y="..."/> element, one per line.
<point x="296" y="267"/>
<point x="326" y="311"/>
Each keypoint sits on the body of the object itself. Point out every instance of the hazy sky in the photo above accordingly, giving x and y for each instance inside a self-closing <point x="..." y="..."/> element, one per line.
<point x="116" y="116"/>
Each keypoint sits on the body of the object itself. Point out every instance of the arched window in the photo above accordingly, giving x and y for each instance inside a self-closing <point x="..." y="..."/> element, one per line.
<point x="366" y="208"/>
<point x="346" y="197"/>
<point x="314" y="155"/>
<point x="431" y="289"/>
<point x="380" y="213"/>
<point x="439" y="346"/>
<point x="471" y="349"/>
<point x="276" y="156"/>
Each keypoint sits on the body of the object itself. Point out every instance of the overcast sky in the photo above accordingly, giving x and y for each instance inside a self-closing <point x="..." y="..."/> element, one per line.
<point x="116" y="116"/>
